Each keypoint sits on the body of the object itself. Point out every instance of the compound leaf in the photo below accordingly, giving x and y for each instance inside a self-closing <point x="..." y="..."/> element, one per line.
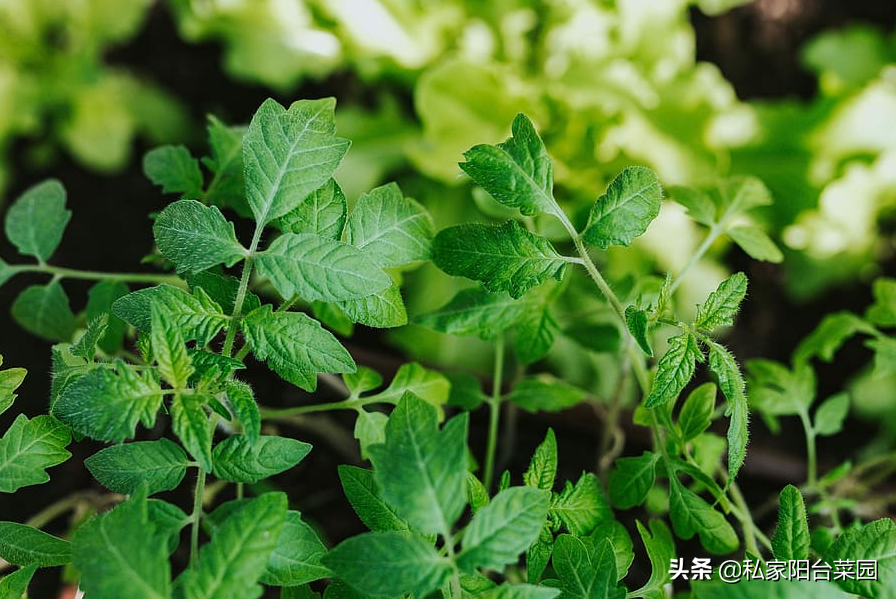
<point x="505" y="528"/>
<point x="238" y="460"/>
<point x="25" y="545"/>
<point x="674" y="370"/>
<point x="518" y="172"/>
<point x="321" y="213"/>
<point x="317" y="268"/>
<point x="174" y="169"/>
<point x="289" y="154"/>
<point x="393" y="229"/>
<point x="624" y="212"/>
<point x="44" y="311"/>
<point x="37" y="219"/>
<point x="296" y="556"/>
<point x="420" y="471"/>
<point x="581" y="507"/>
<point x="295" y="346"/>
<point x="195" y="237"/>
<point x="107" y="404"/>
<point x="122" y="549"/>
<point x="361" y="491"/>
<point x="230" y="566"/>
<point x="389" y="564"/>
<point x="159" y="465"/>
<point x="722" y="305"/>
<point x="505" y="257"/>
<point x="791" y="538"/>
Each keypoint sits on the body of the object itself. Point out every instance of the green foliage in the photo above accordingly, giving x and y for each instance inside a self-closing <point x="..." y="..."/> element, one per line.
<point x="196" y="237"/>
<point x="875" y="542"/>
<point x="238" y="460"/>
<point x="28" y="448"/>
<point x="24" y="546"/>
<point x="36" y="221"/>
<point x="631" y="202"/>
<point x="153" y="465"/>
<point x="791" y="539"/>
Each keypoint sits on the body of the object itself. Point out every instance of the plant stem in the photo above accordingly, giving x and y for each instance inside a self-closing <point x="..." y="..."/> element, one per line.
<point x="196" y="516"/>
<point x="241" y="292"/>
<point x="811" y="456"/>
<point x="73" y="501"/>
<point x="268" y="414"/>
<point x="746" y="519"/>
<point x="494" y="414"/>
<point x="711" y="236"/>
<point x="60" y="272"/>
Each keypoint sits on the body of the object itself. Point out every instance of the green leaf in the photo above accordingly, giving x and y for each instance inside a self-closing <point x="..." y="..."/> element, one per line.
<point x="238" y="460"/>
<point x="15" y="585"/>
<point x="829" y="335"/>
<point x="874" y="542"/>
<point x="756" y="243"/>
<point x="722" y="305"/>
<point x="361" y="491"/>
<point x="121" y="549"/>
<point x="389" y="564"/>
<point x="321" y="213"/>
<point x="883" y="311"/>
<point x="362" y="380"/>
<point x="791" y="538"/>
<point x="475" y="311"/>
<point x="586" y="572"/>
<point x="296" y="557"/>
<point x="768" y="589"/>
<point x="228" y="186"/>
<point x="237" y="556"/>
<point x="174" y="169"/>
<point x="534" y="335"/>
<point x="85" y="346"/>
<point x="691" y="515"/>
<point x="190" y="423"/>
<point x="830" y="414"/>
<point x="168" y="519"/>
<point x="316" y="268"/>
<point x="674" y="370"/>
<point x="10" y="379"/>
<point x="195" y="237"/>
<point x="636" y="322"/>
<point x="477" y="493"/>
<point x="661" y="551"/>
<point x="696" y="413"/>
<point x="370" y="429"/>
<point x="169" y="350"/>
<point x="624" y="212"/>
<point x="582" y="506"/>
<point x="543" y="467"/>
<point x="28" y="447"/>
<point x="197" y="316"/>
<point x="44" y="311"/>
<point x="518" y="591"/>
<point x="731" y="382"/>
<point x="100" y="298"/>
<point x="518" y="172"/>
<point x="37" y="219"/>
<point x="623" y="548"/>
<point x="632" y="479"/>
<point x="504" y="257"/>
<point x="539" y="554"/>
<point x="545" y="393"/>
<point x="107" y="404"/>
<point x="421" y="472"/>
<point x="595" y="336"/>
<point x="6" y="272"/>
<point x="221" y="289"/>
<point x="504" y="529"/>
<point x="289" y="154"/>
<point x="331" y="316"/>
<point x="429" y="385"/>
<point x="393" y="229"/>
<point x="699" y="205"/>
<point x="295" y="346"/>
<point x="25" y="545"/>
<point x="242" y="403"/>
<point x="159" y="465"/>
<point x="383" y="309"/>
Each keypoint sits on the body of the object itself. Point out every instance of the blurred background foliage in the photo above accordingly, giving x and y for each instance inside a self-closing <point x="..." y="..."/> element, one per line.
<point x="609" y="83"/>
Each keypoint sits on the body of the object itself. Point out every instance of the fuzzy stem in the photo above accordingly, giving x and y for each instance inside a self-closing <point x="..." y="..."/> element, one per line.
<point x="241" y="292"/>
<point x="268" y="414"/>
<point x="494" y="414"/>
<point x="60" y="272"/>
<point x="196" y="516"/>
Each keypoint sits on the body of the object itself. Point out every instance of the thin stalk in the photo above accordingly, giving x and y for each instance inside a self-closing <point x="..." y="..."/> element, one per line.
<point x="811" y="456"/>
<point x="241" y="291"/>
<point x="70" y="503"/>
<point x="711" y="236"/>
<point x="742" y="513"/>
<point x="268" y="414"/>
<point x="456" y="590"/>
<point x="196" y="516"/>
<point x="60" y="272"/>
<point x="494" y="414"/>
